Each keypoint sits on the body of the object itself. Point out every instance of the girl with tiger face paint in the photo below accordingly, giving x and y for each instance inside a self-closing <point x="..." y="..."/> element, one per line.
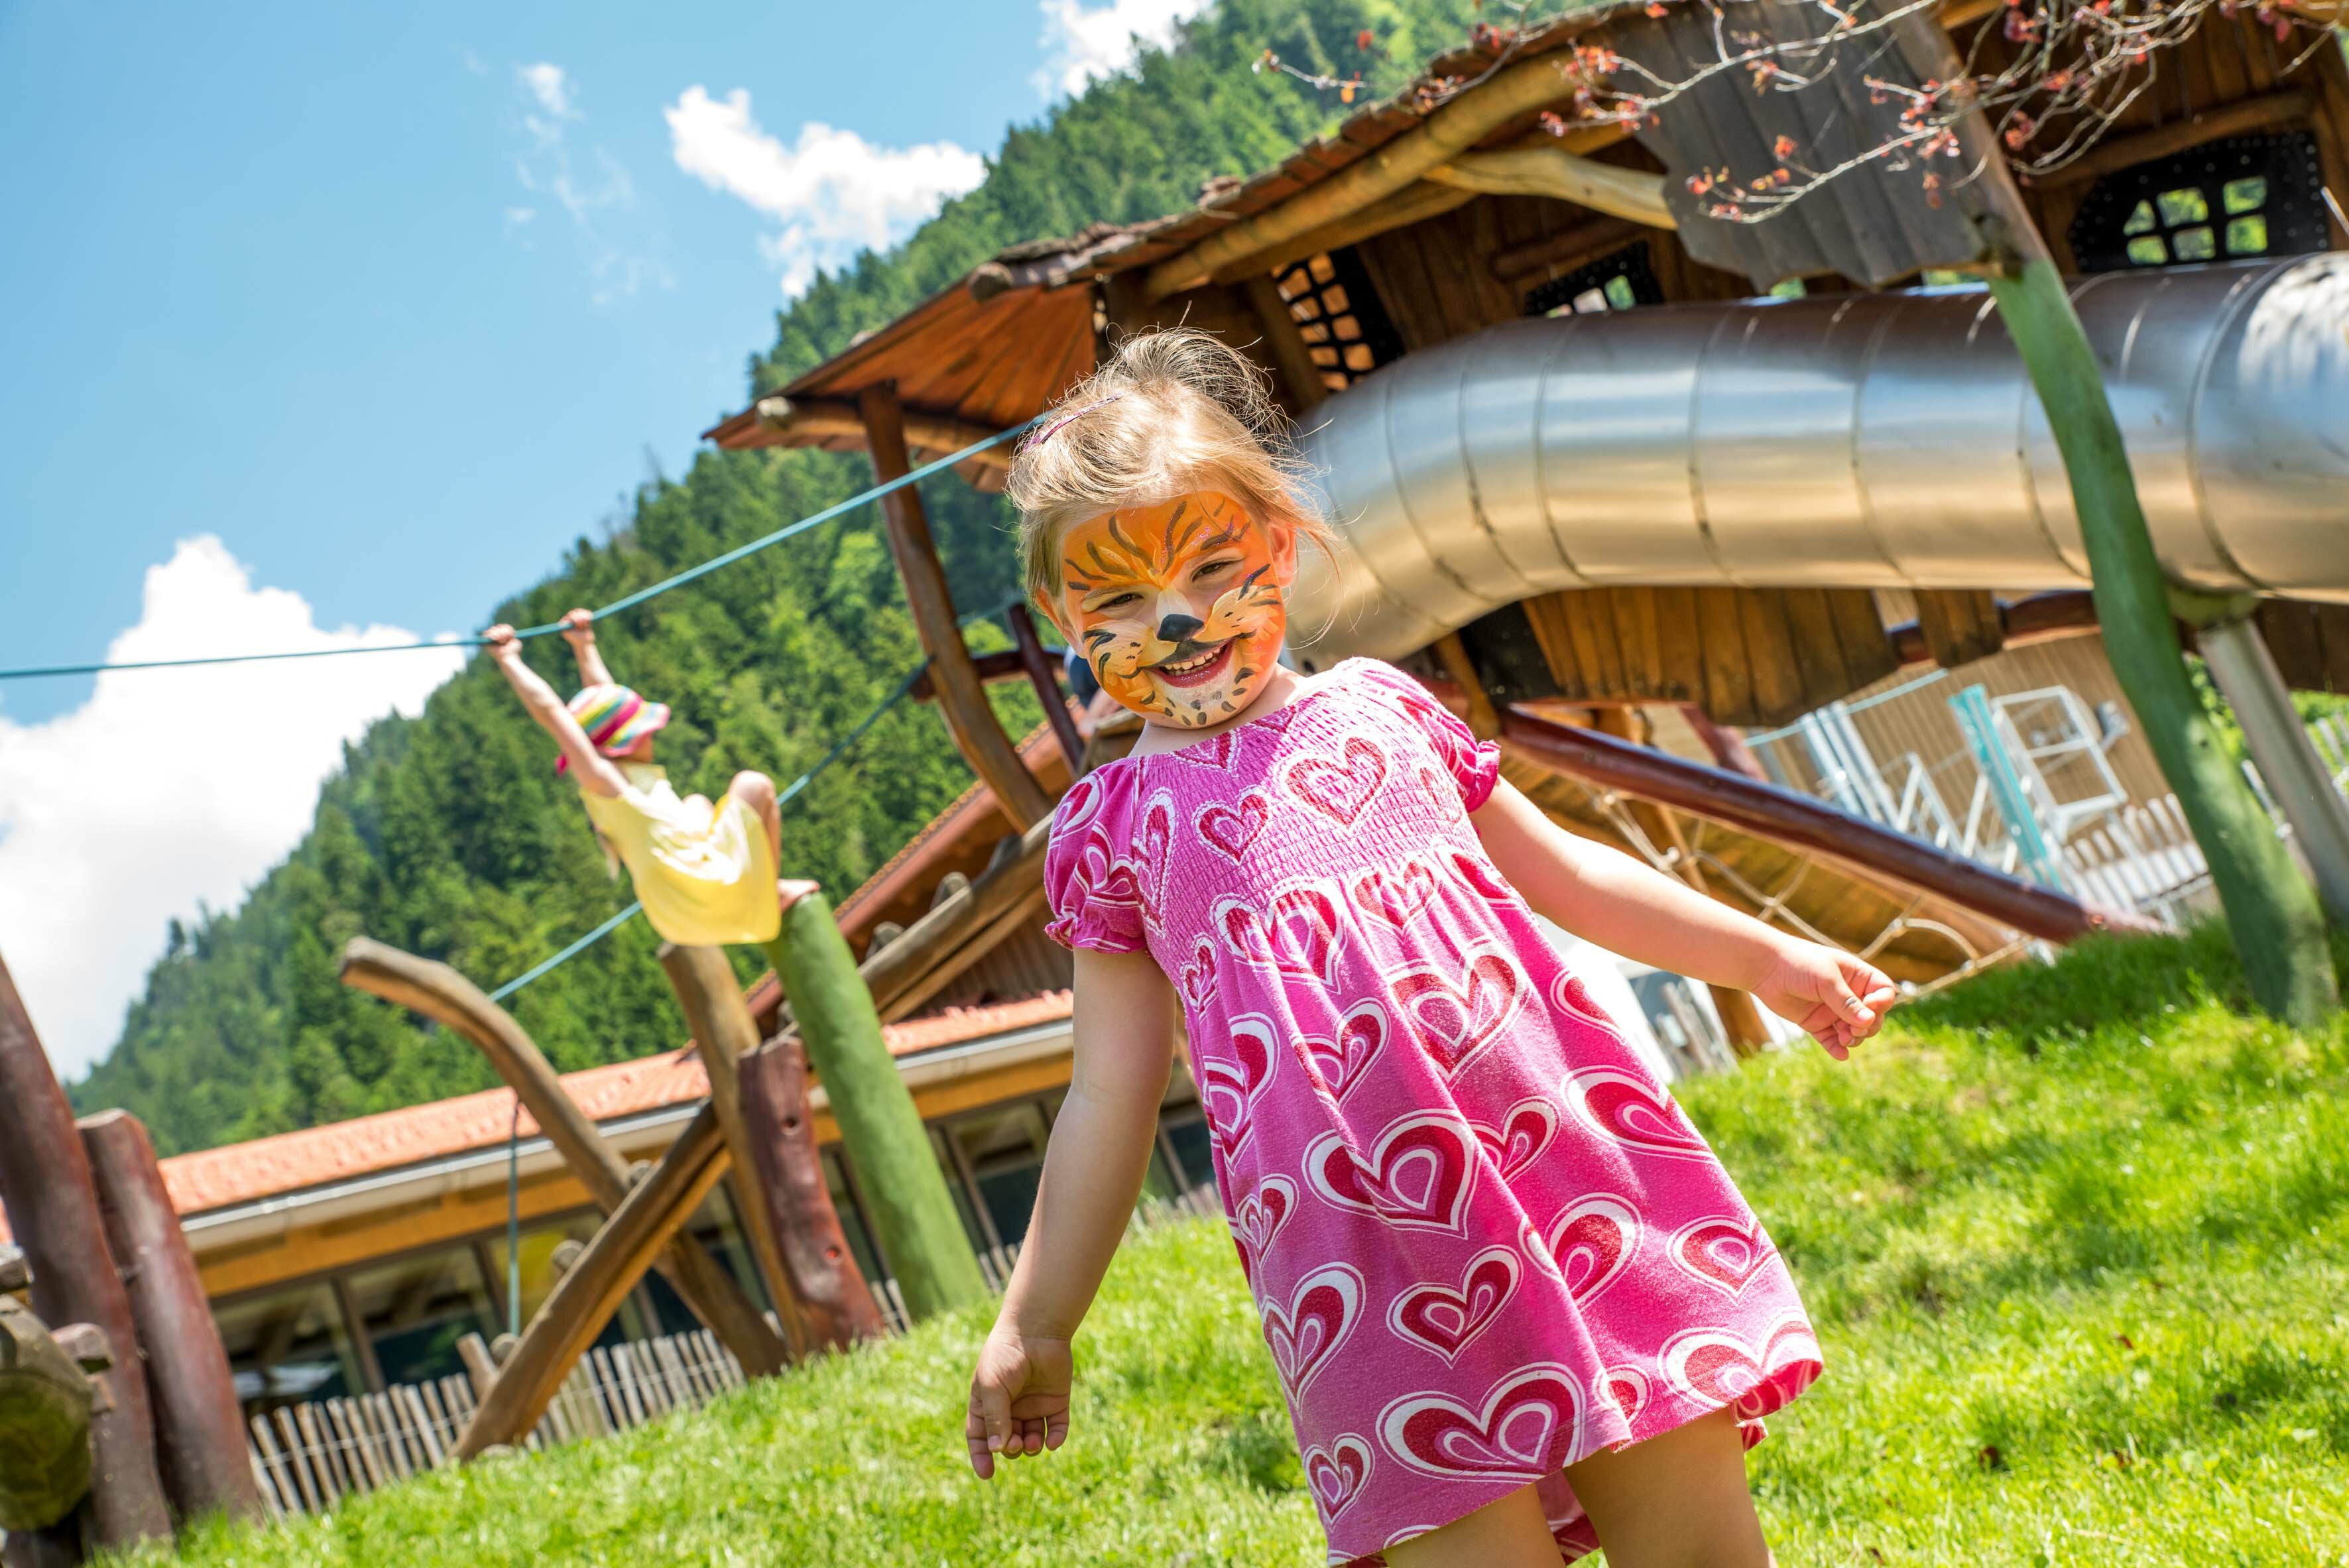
<point x="1178" y="606"/>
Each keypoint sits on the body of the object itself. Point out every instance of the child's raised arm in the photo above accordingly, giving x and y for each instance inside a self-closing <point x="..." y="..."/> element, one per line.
<point x="1607" y="897"/>
<point x="579" y="631"/>
<point x="590" y="767"/>
<point x="1124" y="1030"/>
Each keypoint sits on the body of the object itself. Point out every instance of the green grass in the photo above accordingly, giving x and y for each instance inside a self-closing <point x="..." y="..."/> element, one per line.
<point x="2076" y="1240"/>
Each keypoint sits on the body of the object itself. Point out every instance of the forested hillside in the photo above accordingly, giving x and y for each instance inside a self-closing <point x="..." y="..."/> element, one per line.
<point x="451" y="835"/>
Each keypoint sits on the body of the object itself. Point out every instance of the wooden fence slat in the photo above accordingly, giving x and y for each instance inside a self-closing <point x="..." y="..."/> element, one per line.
<point x="419" y="1420"/>
<point x="607" y="1390"/>
<point x="266" y="1483"/>
<point x="382" y="1417"/>
<point x="291" y="1436"/>
<point x="334" y="1416"/>
<point x="280" y="1479"/>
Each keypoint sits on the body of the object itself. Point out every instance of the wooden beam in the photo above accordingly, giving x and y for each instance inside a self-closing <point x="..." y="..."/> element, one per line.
<point x="1960" y="625"/>
<point x="1812" y="826"/>
<point x="723" y="1033"/>
<point x="2237" y="119"/>
<point x="52" y="1204"/>
<point x="448" y="998"/>
<point x="803" y="421"/>
<point x="1730" y="752"/>
<point x="585" y="1298"/>
<point x="835" y="1299"/>
<point x="1285" y="345"/>
<point x="199" y="1424"/>
<point x="1037" y="666"/>
<point x="1549" y="170"/>
<point x="992" y="668"/>
<point x="1564" y="251"/>
<point x="1411" y="205"/>
<point x="898" y="967"/>
<point x="962" y="696"/>
<point x="1443" y="136"/>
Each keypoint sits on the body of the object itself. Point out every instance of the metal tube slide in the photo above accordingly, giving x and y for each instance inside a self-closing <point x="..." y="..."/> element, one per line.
<point x="1853" y="440"/>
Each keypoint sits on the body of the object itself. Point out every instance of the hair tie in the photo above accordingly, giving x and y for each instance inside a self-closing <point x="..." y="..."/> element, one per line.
<point x="1053" y="429"/>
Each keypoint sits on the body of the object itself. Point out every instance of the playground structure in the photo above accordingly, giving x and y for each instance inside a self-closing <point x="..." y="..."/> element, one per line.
<point x="1584" y="520"/>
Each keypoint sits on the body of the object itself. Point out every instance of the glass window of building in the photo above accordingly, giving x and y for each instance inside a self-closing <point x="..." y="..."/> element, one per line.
<point x="716" y="1227"/>
<point x="285" y="1346"/>
<point x="414" y="1309"/>
<point x="1002" y="1152"/>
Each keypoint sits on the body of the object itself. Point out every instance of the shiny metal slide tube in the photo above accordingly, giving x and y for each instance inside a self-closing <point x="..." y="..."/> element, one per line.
<point x="1852" y="440"/>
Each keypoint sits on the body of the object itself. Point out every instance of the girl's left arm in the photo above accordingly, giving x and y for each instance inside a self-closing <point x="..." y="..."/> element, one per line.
<point x="1607" y="897"/>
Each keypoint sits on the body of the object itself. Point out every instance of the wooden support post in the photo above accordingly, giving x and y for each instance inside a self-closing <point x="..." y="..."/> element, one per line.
<point x="962" y="696"/>
<point x="52" y="1206"/>
<point x="1741" y="1016"/>
<point x="918" y="1230"/>
<point x="1729" y="749"/>
<point x="199" y="1424"/>
<point x="1046" y="680"/>
<point x="722" y="1030"/>
<point x="583" y="1300"/>
<point x="835" y="1301"/>
<point x="447" y="997"/>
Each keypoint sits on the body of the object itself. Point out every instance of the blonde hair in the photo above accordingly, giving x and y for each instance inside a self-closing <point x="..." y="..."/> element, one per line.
<point x="1175" y="410"/>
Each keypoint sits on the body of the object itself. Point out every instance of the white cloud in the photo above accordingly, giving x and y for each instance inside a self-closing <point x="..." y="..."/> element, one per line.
<point x="550" y="86"/>
<point x="594" y="188"/>
<point x="168" y="787"/>
<point x="1082" y="43"/>
<point x="834" y="193"/>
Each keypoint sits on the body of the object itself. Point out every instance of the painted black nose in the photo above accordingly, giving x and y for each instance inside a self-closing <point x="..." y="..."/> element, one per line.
<point x="1174" y="628"/>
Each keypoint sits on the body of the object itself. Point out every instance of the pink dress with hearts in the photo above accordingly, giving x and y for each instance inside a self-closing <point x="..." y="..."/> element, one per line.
<point x="1483" y="1240"/>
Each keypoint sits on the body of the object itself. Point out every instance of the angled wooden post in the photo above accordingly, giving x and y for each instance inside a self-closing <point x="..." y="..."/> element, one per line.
<point x="447" y="997"/>
<point x="724" y="1033"/>
<point x="835" y="1298"/>
<point x="52" y="1206"/>
<point x="199" y="1424"/>
<point x="920" y="1234"/>
<point x="585" y="1298"/>
<point x="1047" y="684"/>
<point x="962" y="695"/>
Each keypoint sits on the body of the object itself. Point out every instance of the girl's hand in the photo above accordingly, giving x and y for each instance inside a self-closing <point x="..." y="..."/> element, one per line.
<point x="505" y="646"/>
<point x="578" y="627"/>
<point x="1840" y="999"/>
<point x="1019" y="1399"/>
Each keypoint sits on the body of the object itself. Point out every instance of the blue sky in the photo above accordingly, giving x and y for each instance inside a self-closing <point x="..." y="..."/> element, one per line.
<point x="335" y="318"/>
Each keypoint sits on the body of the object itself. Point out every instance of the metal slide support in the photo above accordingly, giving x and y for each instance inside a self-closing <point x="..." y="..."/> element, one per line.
<point x="2296" y="776"/>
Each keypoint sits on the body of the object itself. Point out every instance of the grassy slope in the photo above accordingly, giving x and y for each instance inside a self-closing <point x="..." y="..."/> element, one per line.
<point x="2075" y="1240"/>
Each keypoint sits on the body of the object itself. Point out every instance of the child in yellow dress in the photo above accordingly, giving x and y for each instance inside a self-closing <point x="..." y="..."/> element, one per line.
<point x="706" y="874"/>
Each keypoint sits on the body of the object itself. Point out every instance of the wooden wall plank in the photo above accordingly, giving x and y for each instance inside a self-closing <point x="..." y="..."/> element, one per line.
<point x="1728" y="672"/>
<point x="1777" y="674"/>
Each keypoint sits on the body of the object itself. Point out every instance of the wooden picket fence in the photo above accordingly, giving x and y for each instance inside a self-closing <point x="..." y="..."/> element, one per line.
<point x="309" y="1457"/>
<point x="2142" y="858"/>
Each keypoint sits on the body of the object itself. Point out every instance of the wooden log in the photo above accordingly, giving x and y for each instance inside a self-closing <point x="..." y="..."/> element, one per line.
<point x="1443" y="136"/>
<point x="574" y="1312"/>
<point x="1551" y="172"/>
<point x="45" y="1408"/>
<point x="1297" y="377"/>
<point x="837" y="1303"/>
<point x="447" y="997"/>
<point x="2237" y="119"/>
<point x="897" y="968"/>
<point x="1037" y="665"/>
<point x="1803" y="824"/>
<point x="1729" y="749"/>
<point x="962" y="698"/>
<point x="906" y="1193"/>
<point x="722" y="1030"/>
<point x="1004" y="665"/>
<point x="199" y="1424"/>
<point x="52" y="1207"/>
<point x="1563" y="250"/>
<point x="1411" y="205"/>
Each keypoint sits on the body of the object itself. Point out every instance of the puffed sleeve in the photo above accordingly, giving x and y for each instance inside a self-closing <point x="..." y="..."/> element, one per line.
<point x="1090" y="884"/>
<point x="1474" y="765"/>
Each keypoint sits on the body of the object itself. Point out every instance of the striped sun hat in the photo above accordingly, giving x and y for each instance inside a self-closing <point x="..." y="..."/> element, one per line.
<point x="615" y="718"/>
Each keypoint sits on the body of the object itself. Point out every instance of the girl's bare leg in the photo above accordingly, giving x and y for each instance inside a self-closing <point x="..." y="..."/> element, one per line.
<point x="757" y="792"/>
<point x="1677" y="1501"/>
<point x="1510" y="1533"/>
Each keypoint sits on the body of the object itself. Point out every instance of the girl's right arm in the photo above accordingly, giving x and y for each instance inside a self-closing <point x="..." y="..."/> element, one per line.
<point x="590" y="767"/>
<point x="1124" y="1031"/>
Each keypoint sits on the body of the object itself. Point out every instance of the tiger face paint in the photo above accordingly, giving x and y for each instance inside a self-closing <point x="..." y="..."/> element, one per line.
<point x="1179" y="606"/>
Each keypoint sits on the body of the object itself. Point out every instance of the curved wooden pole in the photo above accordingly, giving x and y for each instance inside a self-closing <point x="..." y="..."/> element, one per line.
<point x="1801" y="822"/>
<point x="447" y="997"/>
<point x="1552" y="171"/>
<point x="199" y="1424"/>
<point x="585" y="1298"/>
<point x="835" y="1301"/>
<point x="52" y="1206"/>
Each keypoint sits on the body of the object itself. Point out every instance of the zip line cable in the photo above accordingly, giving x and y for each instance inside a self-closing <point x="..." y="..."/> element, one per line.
<point x="840" y="749"/>
<point x="627" y="601"/>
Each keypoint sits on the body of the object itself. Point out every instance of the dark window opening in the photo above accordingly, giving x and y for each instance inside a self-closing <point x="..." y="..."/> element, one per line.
<point x="1617" y="281"/>
<point x="2230" y="201"/>
<point x="1339" y="314"/>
